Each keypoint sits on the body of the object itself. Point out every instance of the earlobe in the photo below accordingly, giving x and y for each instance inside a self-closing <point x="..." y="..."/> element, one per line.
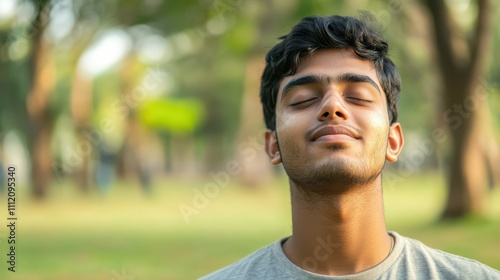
<point x="272" y="149"/>
<point x="395" y="142"/>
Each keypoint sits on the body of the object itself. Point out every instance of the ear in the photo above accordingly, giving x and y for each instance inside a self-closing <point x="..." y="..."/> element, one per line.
<point x="395" y="143"/>
<point x="272" y="147"/>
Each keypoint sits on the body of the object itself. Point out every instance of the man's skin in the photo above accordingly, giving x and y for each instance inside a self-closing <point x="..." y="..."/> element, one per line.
<point x="335" y="180"/>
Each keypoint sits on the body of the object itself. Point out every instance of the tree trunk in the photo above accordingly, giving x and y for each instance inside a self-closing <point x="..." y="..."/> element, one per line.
<point x="135" y="135"/>
<point x="42" y="155"/>
<point x="468" y="174"/>
<point x="464" y="100"/>
<point x="255" y="165"/>
<point x="42" y="85"/>
<point x="81" y="111"/>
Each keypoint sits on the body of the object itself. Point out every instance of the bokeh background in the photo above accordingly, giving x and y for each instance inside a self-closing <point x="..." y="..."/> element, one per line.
<point x="136" y="131"/>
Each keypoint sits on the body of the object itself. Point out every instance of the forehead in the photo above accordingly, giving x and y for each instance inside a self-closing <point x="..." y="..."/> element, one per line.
<point x="332" y="62"/>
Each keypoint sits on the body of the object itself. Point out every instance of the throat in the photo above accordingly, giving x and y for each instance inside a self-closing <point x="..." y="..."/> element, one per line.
<point x="340" y="234"/>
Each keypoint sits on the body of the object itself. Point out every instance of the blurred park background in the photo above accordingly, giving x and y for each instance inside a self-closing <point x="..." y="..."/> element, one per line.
<point x="137" y="136"/>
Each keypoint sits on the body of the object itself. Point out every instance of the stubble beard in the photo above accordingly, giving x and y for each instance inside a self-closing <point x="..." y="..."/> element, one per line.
<point x="335" y="175"/>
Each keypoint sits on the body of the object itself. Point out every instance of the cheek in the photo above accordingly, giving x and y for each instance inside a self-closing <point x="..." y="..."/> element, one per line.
<point x="288" y="145"/>
<point x="286" y="132"/>
<point x="380" y="123"/>
<point x="287" y="123"/>
<point x="376" y="125"/>
<point x="379" y="117"/>
<point x="290" y="131"/>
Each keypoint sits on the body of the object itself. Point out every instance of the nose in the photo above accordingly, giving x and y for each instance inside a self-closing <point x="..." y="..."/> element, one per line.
<point x="332" y="108"/>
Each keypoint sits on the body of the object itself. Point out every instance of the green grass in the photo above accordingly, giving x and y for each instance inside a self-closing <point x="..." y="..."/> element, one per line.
<point x="128" y="233"/>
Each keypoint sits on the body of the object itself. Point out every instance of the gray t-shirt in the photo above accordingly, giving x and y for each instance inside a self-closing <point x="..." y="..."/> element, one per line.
<point x="410" y="259"/>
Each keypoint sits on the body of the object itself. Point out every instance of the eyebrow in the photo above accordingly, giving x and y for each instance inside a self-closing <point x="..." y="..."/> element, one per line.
<point x="327" y="80"/>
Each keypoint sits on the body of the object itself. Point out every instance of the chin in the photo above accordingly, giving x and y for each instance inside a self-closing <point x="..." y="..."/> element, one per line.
<point x="335" y="175"/>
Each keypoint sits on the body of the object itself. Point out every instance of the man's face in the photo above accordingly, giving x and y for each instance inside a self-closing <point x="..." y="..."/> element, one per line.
<point x="332" y="125"/>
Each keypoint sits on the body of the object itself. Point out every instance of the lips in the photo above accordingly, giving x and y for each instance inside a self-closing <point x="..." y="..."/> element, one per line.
<point x="335" y="132"/>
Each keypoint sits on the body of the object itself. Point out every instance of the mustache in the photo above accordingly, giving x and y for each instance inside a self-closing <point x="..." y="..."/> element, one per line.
<point x="310" y="131"/>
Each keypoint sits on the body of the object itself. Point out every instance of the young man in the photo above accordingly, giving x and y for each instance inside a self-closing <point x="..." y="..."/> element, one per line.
<point x="330" y="96"/>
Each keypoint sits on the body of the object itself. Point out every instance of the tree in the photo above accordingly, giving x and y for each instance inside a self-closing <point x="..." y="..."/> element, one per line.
<point x="42" y="81"/>
<point x="462" y="62"/>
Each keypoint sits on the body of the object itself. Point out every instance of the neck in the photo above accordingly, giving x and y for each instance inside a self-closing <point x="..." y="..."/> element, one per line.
<point x="338" y="234"/>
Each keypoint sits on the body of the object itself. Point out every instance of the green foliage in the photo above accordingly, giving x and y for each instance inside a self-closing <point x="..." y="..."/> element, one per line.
<point x="14" y="88"/>
<point x="242" y="37"/>
<point x="178" y="116"/>
<point x="61" y="97"/>
<point x="494" y="102"/>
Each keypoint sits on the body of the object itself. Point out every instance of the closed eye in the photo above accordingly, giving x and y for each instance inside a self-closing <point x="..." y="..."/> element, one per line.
<point x="302" y="102"/>
<point x="359" y="100"/>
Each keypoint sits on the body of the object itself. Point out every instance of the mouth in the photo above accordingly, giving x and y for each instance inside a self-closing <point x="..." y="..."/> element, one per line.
<point x="334" y="133"/>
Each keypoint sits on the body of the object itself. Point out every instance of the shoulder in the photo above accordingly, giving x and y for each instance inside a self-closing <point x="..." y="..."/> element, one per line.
<point x="444" y="265"/>
<point x="256" y="265"/>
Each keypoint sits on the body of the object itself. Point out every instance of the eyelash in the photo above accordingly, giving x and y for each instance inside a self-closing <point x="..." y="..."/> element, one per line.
<point x="359" y="99"/>
<point x="302" y="102"/>
<point x="352" y="98"/>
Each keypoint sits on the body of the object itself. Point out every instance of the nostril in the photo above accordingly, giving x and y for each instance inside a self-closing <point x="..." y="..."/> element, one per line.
<point x="339" y="114"/>
<point x="326" y="114"/>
